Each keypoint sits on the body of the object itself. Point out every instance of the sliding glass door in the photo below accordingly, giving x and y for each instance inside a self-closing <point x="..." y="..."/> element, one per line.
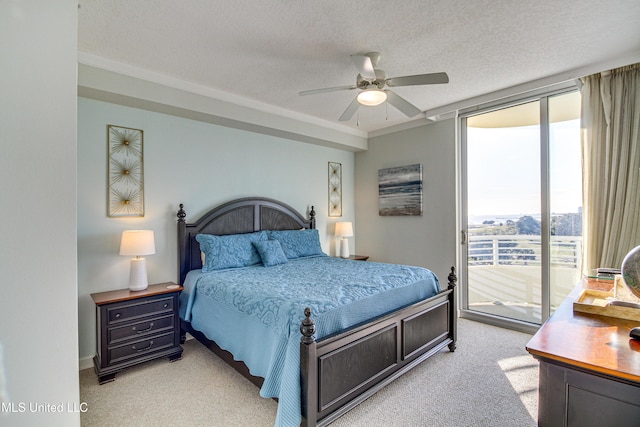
<point x="521" y="197"/>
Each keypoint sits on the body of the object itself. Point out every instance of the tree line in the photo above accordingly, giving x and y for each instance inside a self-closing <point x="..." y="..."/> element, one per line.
<point x="569" y="224"/>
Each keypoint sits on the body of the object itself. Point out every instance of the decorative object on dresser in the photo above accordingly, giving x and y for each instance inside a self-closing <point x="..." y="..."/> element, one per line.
<point x="344" y="230"/>
<point x="608" y="297"/>
<point x="137" y="243"/>
<point x="335" y="189"/>
<point x="359" y="257"/>
<point x="400" y="191"/>
<point x="126" y="174"/>
<point x="631" y="271"/>
<point x="135" y="327"/>
<point x="320" y="382"/>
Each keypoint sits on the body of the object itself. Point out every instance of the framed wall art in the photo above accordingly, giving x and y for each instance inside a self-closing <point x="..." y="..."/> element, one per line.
<point x="335" y="189"/>
<point x="400" y="191"/>
<point x="125" y="172"/>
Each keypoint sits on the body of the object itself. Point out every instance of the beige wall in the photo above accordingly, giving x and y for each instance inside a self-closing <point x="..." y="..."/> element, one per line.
<point x="38" y="293"/>
<point x="428" y="240"/>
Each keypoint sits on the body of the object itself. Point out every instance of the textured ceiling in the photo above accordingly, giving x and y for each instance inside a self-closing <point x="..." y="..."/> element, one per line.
<point x="266" y="51"/>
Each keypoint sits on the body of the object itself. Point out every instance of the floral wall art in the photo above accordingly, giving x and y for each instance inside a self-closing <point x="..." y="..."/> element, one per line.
<point x="126" y="178"/>
<point x="335" y="189"/>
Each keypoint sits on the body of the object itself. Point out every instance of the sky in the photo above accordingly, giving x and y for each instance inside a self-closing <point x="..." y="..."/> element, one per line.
<point x="504" y="170"/>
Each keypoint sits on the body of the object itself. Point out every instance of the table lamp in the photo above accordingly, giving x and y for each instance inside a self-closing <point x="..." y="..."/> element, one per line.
<point x="137" y="243"/>
<point x="344" y="230"/>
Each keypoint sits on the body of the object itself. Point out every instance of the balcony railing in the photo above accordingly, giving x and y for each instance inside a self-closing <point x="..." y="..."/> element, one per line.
<point x="504" y="273"/>
<point x="517" y="250"/>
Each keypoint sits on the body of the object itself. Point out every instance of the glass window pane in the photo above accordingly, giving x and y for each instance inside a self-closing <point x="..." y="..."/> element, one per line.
<point x="565" y="195"/>
<point x="503" y="205"/>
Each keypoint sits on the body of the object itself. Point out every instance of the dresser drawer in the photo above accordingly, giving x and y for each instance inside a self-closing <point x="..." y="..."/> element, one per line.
<point x="142" y="328"/>
<point x="121" y="312"/>
<point x="139" y="348"/>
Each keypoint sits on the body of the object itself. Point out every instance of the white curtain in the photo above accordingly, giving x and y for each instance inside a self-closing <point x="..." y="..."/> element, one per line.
<point x="610" y="166"/>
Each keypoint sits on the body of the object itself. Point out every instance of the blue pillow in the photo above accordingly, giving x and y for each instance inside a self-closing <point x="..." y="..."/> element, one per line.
<point x="271" y="252"/>
<point x="298" y="243"/>
<point x="230" y="251"/>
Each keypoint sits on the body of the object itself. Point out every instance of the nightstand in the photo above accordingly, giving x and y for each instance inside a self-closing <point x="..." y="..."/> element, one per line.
<point x="359" y="257"/>
<point x="136" y="326"/>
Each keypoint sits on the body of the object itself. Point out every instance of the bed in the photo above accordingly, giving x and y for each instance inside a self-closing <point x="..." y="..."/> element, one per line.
<point x="272" y="318"/>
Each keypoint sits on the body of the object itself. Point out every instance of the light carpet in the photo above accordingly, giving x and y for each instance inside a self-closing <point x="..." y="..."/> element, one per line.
<point x="490" y="380"/>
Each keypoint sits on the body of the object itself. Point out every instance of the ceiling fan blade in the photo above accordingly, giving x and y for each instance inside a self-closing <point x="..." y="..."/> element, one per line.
<point x="327" y="89"/>
<point x="418" y="79"/>
<point x="365" y="66"/>
<point x="350" y="111"/>
<point x="407" y="108"/>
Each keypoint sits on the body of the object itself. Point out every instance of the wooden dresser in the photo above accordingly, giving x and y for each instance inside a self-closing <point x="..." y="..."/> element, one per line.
<point x="589" y="368"/>
<point x="134" y="327"/>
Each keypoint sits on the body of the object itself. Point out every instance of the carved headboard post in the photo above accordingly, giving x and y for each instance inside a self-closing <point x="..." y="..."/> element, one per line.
<point x="182" y="243"/>
<point x="312" y="218"/>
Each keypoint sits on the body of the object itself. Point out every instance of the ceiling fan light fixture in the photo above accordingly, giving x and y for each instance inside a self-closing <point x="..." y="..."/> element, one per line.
<point x="372" y="97"/>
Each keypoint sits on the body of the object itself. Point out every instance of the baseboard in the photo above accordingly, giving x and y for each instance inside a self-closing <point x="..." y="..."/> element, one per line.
<point x="86" y="363"/>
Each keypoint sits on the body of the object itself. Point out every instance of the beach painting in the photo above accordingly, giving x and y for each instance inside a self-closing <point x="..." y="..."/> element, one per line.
<point x="400" y="191"/>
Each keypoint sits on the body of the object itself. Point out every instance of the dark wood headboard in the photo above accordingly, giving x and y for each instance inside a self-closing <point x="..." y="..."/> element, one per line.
<point x="244" y="215"/>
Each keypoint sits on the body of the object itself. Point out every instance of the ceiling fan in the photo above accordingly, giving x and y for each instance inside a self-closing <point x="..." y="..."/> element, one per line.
<point x="372" y="83"/>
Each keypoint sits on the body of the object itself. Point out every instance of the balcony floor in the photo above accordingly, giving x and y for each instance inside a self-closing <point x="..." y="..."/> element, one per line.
<point x="514" y="292"/>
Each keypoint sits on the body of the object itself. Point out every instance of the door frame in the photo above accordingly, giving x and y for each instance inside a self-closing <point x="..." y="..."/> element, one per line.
<point x="541" y="95"/>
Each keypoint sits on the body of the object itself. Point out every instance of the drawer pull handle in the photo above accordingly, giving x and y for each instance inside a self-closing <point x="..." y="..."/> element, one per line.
<point x="166" y="304"/>
<point x="143" y="349"/>
<point x="117" y="316"/>
<point x="142" y="330"/>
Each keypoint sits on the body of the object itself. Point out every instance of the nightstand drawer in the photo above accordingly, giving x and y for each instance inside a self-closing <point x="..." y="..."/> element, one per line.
<point x="128" y="311"/>
<point x="140" y="329"/>
<point x="136" y="349"/>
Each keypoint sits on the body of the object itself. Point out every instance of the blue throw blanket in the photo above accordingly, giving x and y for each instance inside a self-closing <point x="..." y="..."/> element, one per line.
<point x="255" y="312"/>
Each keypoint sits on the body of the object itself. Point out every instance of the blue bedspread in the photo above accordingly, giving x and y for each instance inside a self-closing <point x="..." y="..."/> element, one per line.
<point x="255" y="312"/>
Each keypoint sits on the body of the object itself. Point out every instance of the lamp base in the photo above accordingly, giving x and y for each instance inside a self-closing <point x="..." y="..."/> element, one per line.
<point x="138" y="275"/>
<point x="344" y="248"/>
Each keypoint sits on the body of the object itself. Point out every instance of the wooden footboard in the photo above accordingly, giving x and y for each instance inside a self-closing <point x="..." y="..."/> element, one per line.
<point x="340" y="371"/>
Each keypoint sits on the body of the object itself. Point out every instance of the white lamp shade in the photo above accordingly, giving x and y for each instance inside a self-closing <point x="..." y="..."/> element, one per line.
<point x="344" y="229"/>
<point x="372" y="97"/>
<point x="137" y="243"/>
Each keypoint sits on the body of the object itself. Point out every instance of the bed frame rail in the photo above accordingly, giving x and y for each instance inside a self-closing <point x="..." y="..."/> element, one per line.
<point x="339" y="372"/>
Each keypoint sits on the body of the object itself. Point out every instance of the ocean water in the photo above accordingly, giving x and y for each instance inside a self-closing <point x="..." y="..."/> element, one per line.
<point x="400" y="198"/>
<point x="499" y="218"/>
